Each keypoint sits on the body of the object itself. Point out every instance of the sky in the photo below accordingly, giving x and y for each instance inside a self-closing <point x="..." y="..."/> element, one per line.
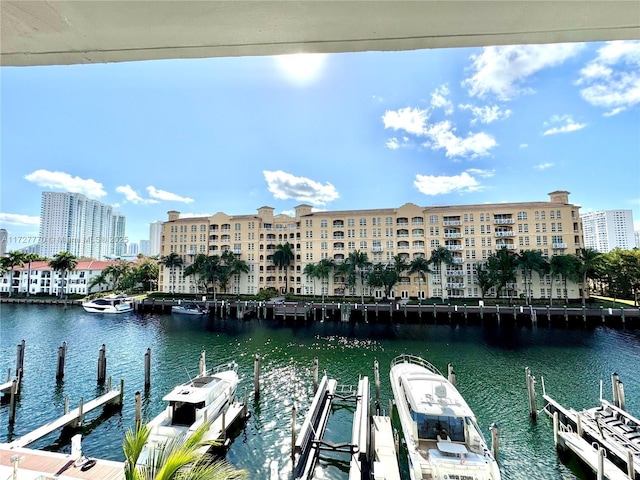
<point x="337" y="131"/>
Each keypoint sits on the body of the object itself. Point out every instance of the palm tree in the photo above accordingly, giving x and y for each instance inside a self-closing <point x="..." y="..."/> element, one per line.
<point x="237" y="267"/>
<point x="360" y="264"/>
<point x="63" y="262"/>
<point x="420" y="266"/>
<point x="502" y="265"/>
<point x="530" y="261"/>
<point x="590" y="259"/>
<point x="30" y="257"/>
<point x="12" y="260"/>
<point x="567" y="266"/>
<point x="311" y="272"/>
<point x="117" y="272"/>
<point x="196" y="269"/>
<point x="178" y="459"/>
<point x="324" y="268"/>
<point x="98" y="280"/>
<point x="282" y="258"/>
<point x="439" y="256"/>
<point x="172" y="261"/>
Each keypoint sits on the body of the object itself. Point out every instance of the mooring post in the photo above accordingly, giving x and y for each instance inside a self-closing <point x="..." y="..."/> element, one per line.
<point x="376" y="377"/>
<point x="315" y="374"/>
<point x="622" y="315"/>
<point x="579" y="424"/>
<point x="138" y="411"/>
<point x="600" y="472"/>
<point x="451" y="374"/>
<point x="531" y="394"/>
<point x="366" y="320"/>
<point x="109" y="384"/>
<point x="8" y="374"/>
<point x="147" y="369"/>
<point x="465" y="311"/>
<point x="81" y="412"/>
<point x="20" y="355"/>
<point x="12" y="401"/>
<point x="482" y="311"/>
<point x="102" y="364"/>
<point x="244" y="404"/>
<point x="434" y="311"/>
<point x="224" y="425"/>
<point x="602" y="313"/>
<point x="293" y="431"/>
<point x="556" y="426"/>
<point x="584" y="314"/>
<point x="548" y="315"/>
<point x="62" y="353"/>
<point x="121" y="399"/>
<point x="614" y="387"/>
<point x="66" y="404"/>
<point x="202" y="364"/>
<point x="631" y="471"/>
<point x="495" y="442"/>
<point x="256" y="375"/>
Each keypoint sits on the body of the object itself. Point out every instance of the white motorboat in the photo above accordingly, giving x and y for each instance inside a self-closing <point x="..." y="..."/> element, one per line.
<point x="189" y="308"/>
<point x="201" y="399"/>
<point x="109" y="304"/>
<point x="440" y="430"/>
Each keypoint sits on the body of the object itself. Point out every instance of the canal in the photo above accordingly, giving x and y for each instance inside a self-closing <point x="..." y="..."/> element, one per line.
<point x="489" y="362"/>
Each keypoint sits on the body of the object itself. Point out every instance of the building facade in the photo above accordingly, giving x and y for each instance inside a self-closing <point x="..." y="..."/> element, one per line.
<point x="4" y="236"/>
<point x="74" y="223"/>
<point x="470" y="232"/>
<point x="155" y="238"/>
<point x="118" y="237"/>
<point x="40" y="278"/>
<point x="606" y="230"/>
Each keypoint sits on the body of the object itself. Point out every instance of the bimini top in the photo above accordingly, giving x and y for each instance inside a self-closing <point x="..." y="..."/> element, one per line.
<point x="200" y="389"/>
<point x="429" y="392"/>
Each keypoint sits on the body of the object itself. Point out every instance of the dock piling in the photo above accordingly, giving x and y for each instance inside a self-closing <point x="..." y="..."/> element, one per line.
<point x="62" y="354"/>
<point x="315" y="374"/>
<point x="630" y="468"/>
<point x="20" y="355"/>
<point x="147" y="369"/>
<point x="256" y="375"/>
<point x="293" y="431"/>
<point x="81" y="412"/>
<point x="102" y="364"/>
<point x="531" y="393"/>
<point x="138" y="411"/>
<point x="12" y="401"/>
<point x="495" y="442"/>
<point x="451" y="374"/>
<point x="376" y="379"/>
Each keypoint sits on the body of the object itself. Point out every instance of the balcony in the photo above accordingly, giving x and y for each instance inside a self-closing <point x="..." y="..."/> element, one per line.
<point x="455" y="285"/>
<point x="455" y="273"/>
<point x="503" y="221"/>
<point x="508" y="233"/>
<point x="458" y="260"/>
<point x="453" y="235"/>
<point x="453" y="247"/>
<point x="338" y="237"/>
<point x="452" y="223"/>
<point x="376" y="249"/>
<point x="558" y="246"/>
<point x="508" y="246"/>
<point x="237" y="251"/>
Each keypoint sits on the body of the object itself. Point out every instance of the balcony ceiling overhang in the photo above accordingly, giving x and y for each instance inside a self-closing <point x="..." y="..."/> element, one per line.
<point x="78" y="32"/>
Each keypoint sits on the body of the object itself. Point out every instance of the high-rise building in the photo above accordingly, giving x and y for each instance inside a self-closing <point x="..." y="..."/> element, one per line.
<point x="3" y="242"/>
<point x="118" y="238"/>
<point x="74" y="223"/>
<point x="470" y="232"/>
<point x="133" y="249"/>
<point x="155" y="238"/>
<point x="606" y="230"/>
<point x="144" y="247"/>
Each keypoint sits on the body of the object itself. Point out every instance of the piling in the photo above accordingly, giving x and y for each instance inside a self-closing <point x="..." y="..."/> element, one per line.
<point x="20" y="356"/>
<point x="495" y="443"/>
<point x="147" y="369"/>
<point x="293" y="431"/>
<point x="451" y="374"/>
<point x="600" y="472"/>
<point x="66" y="404"/>
<point x="202" y="364"/>
<point x="256" y="375"/>
<point x="315" y="374"/>
<point x="102" y="364"/>
<point x="556" y="426"/>
<point x="81" y="412"/>
<point x="12" y="401"/>
<point x="376" y="377"/>
<point x="630" y="468"/>
<point x="62" y="353"/>
<point x="614" y="387"/>
<point x="434" y="312"/>
<point x="465" y="311"/>
<point x="579" y="424"/>
<point x="138" y="411"/>
<point x="366" y="319"/>
<point x="531" y="393"/>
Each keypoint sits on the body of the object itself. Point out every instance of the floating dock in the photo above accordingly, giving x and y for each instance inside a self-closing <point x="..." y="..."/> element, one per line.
<point x="606" y="438"/>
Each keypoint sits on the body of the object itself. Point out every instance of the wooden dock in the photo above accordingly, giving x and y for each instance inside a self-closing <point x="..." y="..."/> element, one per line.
<point x="383" y="450"/>
<point x="41" y="465"/>
<point x="591" y="456"/>
<point x="72" y="419"/>
<point x="292" y="310"/>
<point x="228" y="419"/>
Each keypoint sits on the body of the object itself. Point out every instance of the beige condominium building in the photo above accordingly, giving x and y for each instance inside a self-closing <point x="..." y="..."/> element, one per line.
<point x="470" y="232"/>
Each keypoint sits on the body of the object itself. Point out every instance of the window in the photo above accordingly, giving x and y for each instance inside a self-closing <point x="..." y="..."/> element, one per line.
<point x="388" y="221"/>
<point x="237" y="226"/>
<point x="482" y="217"/>
<point x="323" y="245"/>
<point x="558" y="214"/>
<point x="308" y="222"/>
<point x="522" y="215"/>
<point x="363" y="222"/>
<point x="351" y="245"/>
<point x="433" y="219"/>
<point x="363" y="245"/>
<point x="351" y="222"/>
<point x="323" y="223"/>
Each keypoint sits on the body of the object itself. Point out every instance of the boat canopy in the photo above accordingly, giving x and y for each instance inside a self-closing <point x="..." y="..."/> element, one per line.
<point x="198" y="390"/>
<point x="432" y="394"/>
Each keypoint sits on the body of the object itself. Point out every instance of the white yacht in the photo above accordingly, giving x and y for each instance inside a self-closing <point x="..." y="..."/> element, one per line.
<point x="189" y="308"/>
<point x="201" y="399"/>
<point x="109" y="304"/>
<point x="440" y="430"/>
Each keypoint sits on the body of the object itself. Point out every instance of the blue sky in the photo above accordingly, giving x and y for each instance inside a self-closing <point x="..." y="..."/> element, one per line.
<point x="339" y="131"/>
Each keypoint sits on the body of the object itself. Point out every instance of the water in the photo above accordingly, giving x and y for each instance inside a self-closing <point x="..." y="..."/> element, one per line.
<point x="489" y="363"/>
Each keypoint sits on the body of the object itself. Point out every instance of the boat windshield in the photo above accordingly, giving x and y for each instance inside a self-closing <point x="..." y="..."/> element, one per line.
<point x="184" y="413"/>
<point x="430" y="427"/>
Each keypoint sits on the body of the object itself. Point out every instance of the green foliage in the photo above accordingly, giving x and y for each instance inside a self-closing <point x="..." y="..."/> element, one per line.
<point x="267" y="294"/>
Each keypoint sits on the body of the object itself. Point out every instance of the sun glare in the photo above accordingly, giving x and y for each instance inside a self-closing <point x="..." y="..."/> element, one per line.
<point x="301" y="67"/>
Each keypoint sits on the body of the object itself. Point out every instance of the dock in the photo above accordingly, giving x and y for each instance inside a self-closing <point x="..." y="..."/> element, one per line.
<point x="228" y="419"/>
<point x="292" y="310"/>
<point x="72" y="419"/>
<point x="604" y="431"/>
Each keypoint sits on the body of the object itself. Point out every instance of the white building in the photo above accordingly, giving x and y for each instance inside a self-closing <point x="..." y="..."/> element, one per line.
<point x="118" y="239"/>
<point x="155" y="237"/>
<point x="145" y="246"/>
<point x="40" y="278"/>
<point x="606" y="230"/>
<point x="3" y="242"/>
<point x="74" y="223"/>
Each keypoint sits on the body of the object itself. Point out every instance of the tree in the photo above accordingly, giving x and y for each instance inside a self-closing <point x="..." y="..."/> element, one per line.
<point x="196" y="269"/>
<point x="311" y="272"/>
<point x="486" y="279"/>
<point x="359" y="264"/>
<point x="441" y="256"/>
<point x="530" y="261"/>
<point x="237" y="267"/>
<point x="419" y="266"/>
<point x="590" y="260"/>
<point x="98" y="280"/>
<point x="324" y="269"/>
<point x="383" y="276"/>
<point x="146" y="273"/>
<point x="178" y="459"/>
<point x="118" y="272"/>
<point x="172" y="261"/>
<point x="12" y="260"/>
<point x="63" y="262"/>
<point x="502" y="265"/>
<point x="282" y="258"/>
<point x="568" y="267"/>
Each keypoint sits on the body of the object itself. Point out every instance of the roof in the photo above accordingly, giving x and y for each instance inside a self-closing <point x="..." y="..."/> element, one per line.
<point x="82" y="265"/>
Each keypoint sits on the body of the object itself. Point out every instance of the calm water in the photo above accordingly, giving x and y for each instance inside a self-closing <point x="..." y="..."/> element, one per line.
<point x="489" y="364"/>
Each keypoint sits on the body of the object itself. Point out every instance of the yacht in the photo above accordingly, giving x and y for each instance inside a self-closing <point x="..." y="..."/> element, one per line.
<point x="201" y="399"/>
<point x="109" y="304"/>
<point x="189" y="308"/>
<point x="440" y="430"/>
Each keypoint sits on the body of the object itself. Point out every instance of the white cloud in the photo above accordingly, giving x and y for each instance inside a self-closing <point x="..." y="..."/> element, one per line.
<point x="442" y="136"/>
<point x="289" y="213"/>
<point x="434" y="185"/>
<point x="284" y="186"/>
<point x="411" y="120"/>
<point x="612" y="79"/>
<point x="132" y="196"/>
<point x="566" y="125"/>
<point x="392" y="143"/>
<point x="168" y="196"/>
<point x="439" y="99"/>
<point x="486" y="114"/>
<point x="502" y="70"/>
<point x="524" y="145"/>
<point x="64" y="181"/>
<point x="543" y="166"/>
<point x="19" y="219"/>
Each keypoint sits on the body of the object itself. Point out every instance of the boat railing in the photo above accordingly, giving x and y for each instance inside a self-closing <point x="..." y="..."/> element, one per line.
<point x="415" y="360"/>
<point x="223" y="368"/>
